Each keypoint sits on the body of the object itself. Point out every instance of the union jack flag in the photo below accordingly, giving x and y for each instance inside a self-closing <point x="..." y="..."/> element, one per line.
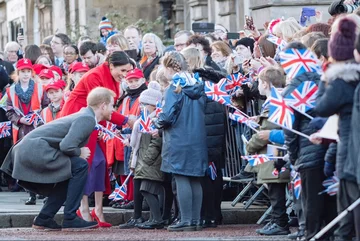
<point x="238" y="117"/>
<point x="255" y="160"/>
<point x="303" y="98"/>
<point x="217" y="92"/>
<point x="107" y="134"/>
<point x="297" y="185"/>
<point x="122" y="193"/>
<point x="32" y="118"/>
<point x="252" y="124"/>
<point x="276" y="172"/>
<point x="299" y="61"/>
<point x="331" y="185"/>
<point x="113" y="194"/>
<point x="146" y="125"/>
<point x="234" y="81"/>
<point x="279" y="112"/>
<point x="110" y="126"/>
<point x="212" y="171"/>
<point x="277" y="41"/>
<point x="158" y="108"/>
<point x="5" y="129"/>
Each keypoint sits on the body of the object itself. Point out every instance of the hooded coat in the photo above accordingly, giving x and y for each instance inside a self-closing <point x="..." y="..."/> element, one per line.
<point x="184" y="136"/>
<point x="302" y="152"/>
<point x="336" y="96"/>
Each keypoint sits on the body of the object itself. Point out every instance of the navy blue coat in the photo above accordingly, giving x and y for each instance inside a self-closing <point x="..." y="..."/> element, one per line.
<point x="184" y="136"/>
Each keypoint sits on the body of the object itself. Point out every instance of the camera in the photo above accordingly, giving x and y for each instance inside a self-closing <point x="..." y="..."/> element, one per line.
<point x="338" y="7"/>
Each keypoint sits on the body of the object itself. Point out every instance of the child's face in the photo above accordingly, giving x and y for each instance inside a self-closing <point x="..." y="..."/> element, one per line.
<point x="134" y="84"/>
<point x="25" y="75"/>
<point x="56" y="74"/>
<point x="55" y="95"/>
<point x="263" y="87"/>
<point x="169" y="72"/>
<point x="77" y="76"/>
<point x="149" y="108"/>
<point x="46" y="81"/>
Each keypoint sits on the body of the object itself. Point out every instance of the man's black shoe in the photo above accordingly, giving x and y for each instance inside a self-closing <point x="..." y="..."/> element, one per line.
<point x="209" y="224"/>
<point x="151" y="225"/>
<point x="31" y="201"/>
<point x="275" y="229"/>
<point x="48" y="224"/>
<point x="261" y="230"/>
<point x="197" y="224"/>
<point x="181" y="226"/>
<point x="78" y="223"/>
<point x="131" y="223"/>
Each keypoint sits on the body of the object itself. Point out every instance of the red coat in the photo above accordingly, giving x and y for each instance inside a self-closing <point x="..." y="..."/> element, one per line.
<point x="97" y="77"/>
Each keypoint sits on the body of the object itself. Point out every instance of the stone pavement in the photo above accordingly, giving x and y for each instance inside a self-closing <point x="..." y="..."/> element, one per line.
<point x="14" y="213"/>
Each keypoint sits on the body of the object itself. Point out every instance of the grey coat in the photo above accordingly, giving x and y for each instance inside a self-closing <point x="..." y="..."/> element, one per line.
<point x="43" y="156"/>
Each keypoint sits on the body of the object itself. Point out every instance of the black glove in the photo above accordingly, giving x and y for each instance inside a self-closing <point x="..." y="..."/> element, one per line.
<point x="279" y="163"/>
<point x="209" y="74"/>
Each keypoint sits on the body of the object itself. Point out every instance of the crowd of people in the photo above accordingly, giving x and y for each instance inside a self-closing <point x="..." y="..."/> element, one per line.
<point x="160" y="136"/>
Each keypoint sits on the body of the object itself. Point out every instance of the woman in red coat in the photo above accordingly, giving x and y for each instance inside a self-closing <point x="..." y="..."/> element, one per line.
<point x="109" y="75"/>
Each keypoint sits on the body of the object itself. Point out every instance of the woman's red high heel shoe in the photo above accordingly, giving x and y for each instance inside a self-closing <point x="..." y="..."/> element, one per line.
<point x="78" y="213"/>
<point x="101" y="224"/>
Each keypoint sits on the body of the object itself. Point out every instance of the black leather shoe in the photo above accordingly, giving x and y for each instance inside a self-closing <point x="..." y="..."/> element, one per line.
<point x="209" y="224"/>
<point x="197" y="224"/>
<point x="181" y="226"/>
<point x="151" y="225"/>
<point x="131" y="223"/>
<point x="48" y="224"/>
<point x="78" y="223"/>
<point x="31" y="201"/>
<point x="260" y="230"/>
<point x="129" y="205"/>
<point x="275" y="229"/>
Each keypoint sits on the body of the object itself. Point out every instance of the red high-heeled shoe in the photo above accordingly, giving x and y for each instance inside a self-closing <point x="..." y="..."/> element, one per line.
<point x="78" y="213"/>
<point x="101" y="224"/>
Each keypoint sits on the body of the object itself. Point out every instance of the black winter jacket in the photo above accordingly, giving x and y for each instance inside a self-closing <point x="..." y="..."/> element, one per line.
<point x="337" y="97"/>
<point x="303" y="154"/>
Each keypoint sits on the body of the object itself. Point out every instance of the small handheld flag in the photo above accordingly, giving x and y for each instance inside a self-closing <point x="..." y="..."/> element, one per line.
<point x="234" y="81"/>
<point x="279" y="112"/>
<point x="299" y="61"/>
<point x="32" y="118"/>
<point x="145" y="125"/>
<point x="303" y="98"/>
<point x="5" y="129"/>
<point x="277" y="41"/>
<point x="113" y="194"/>
<point x="212" y="171"/>
<point x="297" y="185"/>
<point x="255" y="160"/>
<point x="217" y="92"/>
<point x="331" y="185"/>
<point x="158" y="108"/>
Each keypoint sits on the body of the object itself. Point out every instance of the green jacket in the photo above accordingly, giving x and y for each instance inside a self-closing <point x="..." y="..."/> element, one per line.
<point x="258" y="146"/>
<point x="149" y="158"/>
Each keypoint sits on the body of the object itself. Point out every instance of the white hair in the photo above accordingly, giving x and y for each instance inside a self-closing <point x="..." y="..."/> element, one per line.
<point x="11" y="44"/>
<point x="160" y="48"/>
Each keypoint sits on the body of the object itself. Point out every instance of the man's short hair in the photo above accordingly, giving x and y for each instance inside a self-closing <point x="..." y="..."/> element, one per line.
<point x="10" y="45"/>
<point x="320" y="48"/>
<point x="86" y="46"/>
<point x="309" y="39"/>
<point x="64" y="38"/>
<point x="273" y="76"/>
<point x="133" y="27"/>
<point x="197" y="39"/>
<point x="100" y="95"/>
<point x="183" y="32"/>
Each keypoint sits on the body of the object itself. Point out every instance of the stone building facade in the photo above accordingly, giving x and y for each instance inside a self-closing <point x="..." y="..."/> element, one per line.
<point x="40" y="18"/>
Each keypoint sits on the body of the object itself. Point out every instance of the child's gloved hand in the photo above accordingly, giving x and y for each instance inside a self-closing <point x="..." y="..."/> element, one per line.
<point x="329" y="169"/>
<point x="279" y="163"/>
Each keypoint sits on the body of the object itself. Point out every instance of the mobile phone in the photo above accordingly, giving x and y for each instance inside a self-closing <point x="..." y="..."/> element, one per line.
<point x="233" y="35"/>
<point x="21" y="31"/>
<point x="203" y="27"/>
<point x="249" y="22"/>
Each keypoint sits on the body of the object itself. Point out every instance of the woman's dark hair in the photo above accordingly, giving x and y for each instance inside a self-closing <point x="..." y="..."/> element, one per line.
<point x="320" y="48"/>
<point x="101" y="49"/>
<point x="32" y="52"/>
<point x="74" y="47"/>
<point x="295" y="45"/>
<point x="118" y="58"/>
<point x="197" y="39"/>
<point x="47" y="48"/>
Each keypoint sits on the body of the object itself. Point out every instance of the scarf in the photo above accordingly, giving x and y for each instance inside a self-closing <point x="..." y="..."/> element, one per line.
<point x="25" y="97"/>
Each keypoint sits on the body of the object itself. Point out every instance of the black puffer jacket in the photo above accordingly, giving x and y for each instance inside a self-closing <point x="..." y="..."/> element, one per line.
<point x="337" y="97"/>
<point x="303" y="154"/>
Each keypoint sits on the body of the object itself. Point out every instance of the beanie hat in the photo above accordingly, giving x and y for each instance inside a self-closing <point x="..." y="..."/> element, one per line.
<point x="152" y="95"/>
<point x="247" y="42"/>
<point x="342" y="42"/>
<point x="105" y="24"/>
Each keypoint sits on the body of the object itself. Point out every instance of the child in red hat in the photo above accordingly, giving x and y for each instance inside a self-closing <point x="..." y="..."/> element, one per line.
<point x="118" y="153"/>
<point x="24" y="98"/>
<point x="46" y="76"/>
<point x="55" y="93"/>
<point x="76" y="71"/>
<point x="57" y="72"/>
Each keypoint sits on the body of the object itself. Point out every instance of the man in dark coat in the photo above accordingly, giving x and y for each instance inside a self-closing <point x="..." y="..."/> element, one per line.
<point x="58" y="168"/>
